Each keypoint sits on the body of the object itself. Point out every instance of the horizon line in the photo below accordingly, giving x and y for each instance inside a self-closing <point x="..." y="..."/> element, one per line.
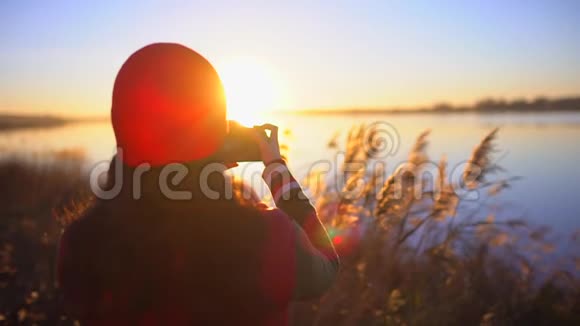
<point x="436" y="107"/>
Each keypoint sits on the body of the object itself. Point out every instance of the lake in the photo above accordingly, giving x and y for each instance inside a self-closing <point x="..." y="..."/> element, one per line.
<point x="542" y="148"/>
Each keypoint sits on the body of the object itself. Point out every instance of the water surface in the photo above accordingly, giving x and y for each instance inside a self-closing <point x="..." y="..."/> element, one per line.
<point x="542" y="148"/>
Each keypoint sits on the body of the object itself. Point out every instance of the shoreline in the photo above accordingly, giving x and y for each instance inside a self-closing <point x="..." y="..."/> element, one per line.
<point x="10" y="122"/>
<point x="424" y="111"/>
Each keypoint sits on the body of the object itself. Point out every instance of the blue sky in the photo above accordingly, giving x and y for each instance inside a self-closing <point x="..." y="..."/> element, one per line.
<point x="62" y="56"/>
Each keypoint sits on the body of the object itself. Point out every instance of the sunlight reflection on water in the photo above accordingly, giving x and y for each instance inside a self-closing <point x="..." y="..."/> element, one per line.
<point x="540" y="147"/>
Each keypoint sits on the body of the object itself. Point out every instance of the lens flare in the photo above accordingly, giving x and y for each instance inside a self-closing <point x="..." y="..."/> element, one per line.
<point x="251" y="90"/>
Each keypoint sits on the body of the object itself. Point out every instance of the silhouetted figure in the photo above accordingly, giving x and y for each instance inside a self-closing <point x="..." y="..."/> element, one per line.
<point x="146" y="257"/>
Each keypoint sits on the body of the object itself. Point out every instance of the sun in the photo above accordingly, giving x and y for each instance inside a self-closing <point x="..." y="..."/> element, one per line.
<point x="251" y="90"/>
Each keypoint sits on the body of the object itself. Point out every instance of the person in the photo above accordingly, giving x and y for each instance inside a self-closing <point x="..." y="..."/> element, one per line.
<point x="174" y="248"/>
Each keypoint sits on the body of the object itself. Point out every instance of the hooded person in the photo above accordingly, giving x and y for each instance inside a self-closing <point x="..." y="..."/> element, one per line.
<point x="174" y="247"/>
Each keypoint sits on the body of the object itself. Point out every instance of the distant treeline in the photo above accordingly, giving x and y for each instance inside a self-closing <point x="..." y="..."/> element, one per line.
<point x="489" y="105"/>
<point x="13" y="121"/>
<point x="9" y="121"/>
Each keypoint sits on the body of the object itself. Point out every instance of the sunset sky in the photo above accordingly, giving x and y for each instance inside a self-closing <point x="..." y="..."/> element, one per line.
<point x="62" y="56"/>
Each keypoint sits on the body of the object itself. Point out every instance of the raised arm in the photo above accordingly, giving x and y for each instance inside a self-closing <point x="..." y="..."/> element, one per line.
<point x="316" y="261"/>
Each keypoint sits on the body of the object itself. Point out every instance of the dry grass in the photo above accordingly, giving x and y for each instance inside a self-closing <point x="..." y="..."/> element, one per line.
<point x="417" y="253"/>
<point x="33" y="192"/>
<point x="414" y="252"/>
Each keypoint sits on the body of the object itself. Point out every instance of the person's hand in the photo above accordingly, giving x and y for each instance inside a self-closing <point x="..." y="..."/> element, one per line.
<point x="269" y="147"/>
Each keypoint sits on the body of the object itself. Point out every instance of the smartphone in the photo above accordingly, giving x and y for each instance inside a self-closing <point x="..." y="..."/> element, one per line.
<point x="239" y="145"/>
